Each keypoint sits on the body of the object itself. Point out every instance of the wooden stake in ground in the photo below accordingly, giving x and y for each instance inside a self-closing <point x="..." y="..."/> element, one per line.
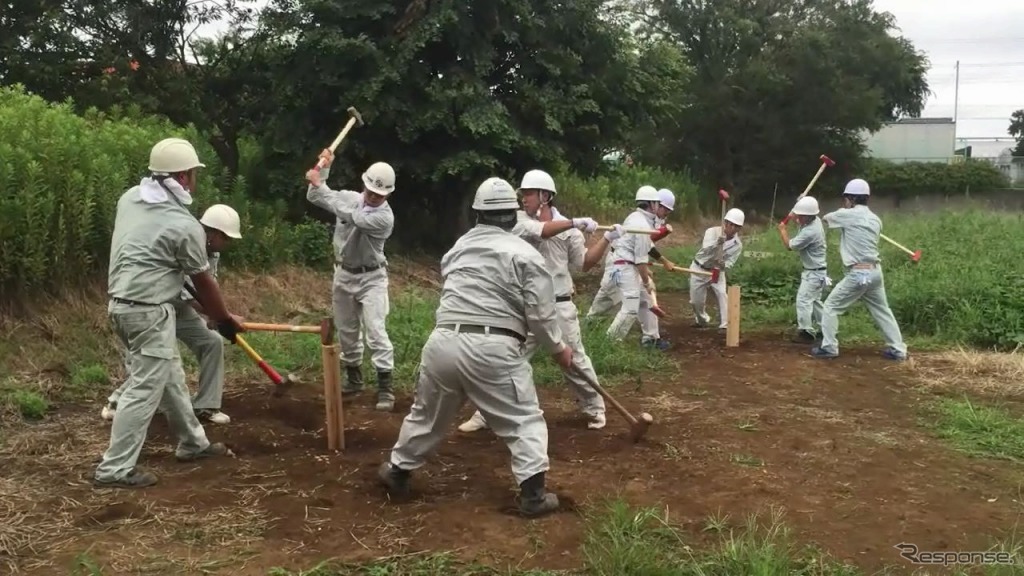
<point x="333" y="407"/>
<point x="732" y="330"/>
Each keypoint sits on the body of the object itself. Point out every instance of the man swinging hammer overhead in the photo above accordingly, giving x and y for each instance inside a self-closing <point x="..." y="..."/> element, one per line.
<point x="360" y="293"/>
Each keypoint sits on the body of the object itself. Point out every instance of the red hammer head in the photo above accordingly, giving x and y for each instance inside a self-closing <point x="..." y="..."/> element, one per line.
<point x="714" y="275"/>
<point x="723" y="195"/>
<point x="916" y="256"/>
<point x="828" y="161"/>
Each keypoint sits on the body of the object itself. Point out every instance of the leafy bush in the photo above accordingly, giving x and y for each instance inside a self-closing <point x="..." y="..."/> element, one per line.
<point x="61" y="175"/>
<point x="933" y="178"/>
<point x="960" y="292"/>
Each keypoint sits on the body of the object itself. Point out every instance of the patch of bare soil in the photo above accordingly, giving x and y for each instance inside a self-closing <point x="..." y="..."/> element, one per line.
<point x="835" y="443"/>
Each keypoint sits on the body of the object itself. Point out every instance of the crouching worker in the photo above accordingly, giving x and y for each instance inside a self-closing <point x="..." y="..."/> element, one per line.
<point x="809" y="243"/>
<point x="720" y="249"/>
<point x="222" y="225"/>
<point x="858" y="246"/>
<point x="156" y="243"/>
<point x="497" y="289"/>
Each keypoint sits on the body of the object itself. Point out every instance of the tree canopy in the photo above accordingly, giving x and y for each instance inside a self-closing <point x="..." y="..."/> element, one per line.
<point x="741" y="93"/>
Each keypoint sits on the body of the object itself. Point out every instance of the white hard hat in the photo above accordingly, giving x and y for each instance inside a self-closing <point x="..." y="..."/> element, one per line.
<point x="224" y="218"/>
<point x="667" y="199"/>
<point x="172" y="155"/>
<point x="379" y="178"/>
<point x="538" y="180"/>
<point x="806" y="206"/>
<point x="734" y="215"/>
<point x="647" y="194"/>
<point x="857" y="187"/>
<point x="495" y="194"/>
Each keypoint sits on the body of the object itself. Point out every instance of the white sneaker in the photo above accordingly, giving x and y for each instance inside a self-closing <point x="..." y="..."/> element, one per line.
<point x="108" y="411"/>
<point x="214" y="416"/>
<point x="475" y="422"/>
<point x="596" y="422"/>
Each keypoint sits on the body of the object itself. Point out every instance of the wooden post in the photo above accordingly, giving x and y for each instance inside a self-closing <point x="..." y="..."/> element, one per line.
<point x="333" y="406"/>
<point x="732" y="331"/>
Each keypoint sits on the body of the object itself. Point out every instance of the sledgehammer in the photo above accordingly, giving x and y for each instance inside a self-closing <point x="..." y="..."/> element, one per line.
<point x="637" y="427"/>
<point x="280" y="384"/>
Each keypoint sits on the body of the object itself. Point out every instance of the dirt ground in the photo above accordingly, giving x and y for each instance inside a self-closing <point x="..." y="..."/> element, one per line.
<point x="837" y="444"/>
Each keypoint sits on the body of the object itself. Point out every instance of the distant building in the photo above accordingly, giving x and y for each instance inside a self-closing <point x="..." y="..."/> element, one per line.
<point x="913" y="140"/>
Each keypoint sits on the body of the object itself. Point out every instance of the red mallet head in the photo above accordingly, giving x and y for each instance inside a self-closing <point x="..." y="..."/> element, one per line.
<point x="828" y="161"/>
<point x="714" y="275"/>
<point x="916" y="256"/>
<point x="723" y="195"/>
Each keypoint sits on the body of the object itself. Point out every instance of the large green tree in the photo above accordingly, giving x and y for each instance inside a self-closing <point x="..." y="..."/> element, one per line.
<point x="452" y="92"/>
<point x="776" y="83"/>
<point x="1017" y="131"/>
<point x="143" y="52"/>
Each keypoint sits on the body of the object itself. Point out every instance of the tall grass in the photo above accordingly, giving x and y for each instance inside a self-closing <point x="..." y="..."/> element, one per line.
<point x="61" y="175"/>
<point x="966" y="289"/>
<point x="609" y="196"/>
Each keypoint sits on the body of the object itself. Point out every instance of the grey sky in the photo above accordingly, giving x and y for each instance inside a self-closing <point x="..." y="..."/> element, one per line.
<point x="987" y="37"/>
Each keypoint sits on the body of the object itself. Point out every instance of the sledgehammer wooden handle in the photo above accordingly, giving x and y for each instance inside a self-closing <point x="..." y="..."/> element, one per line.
<point x="637" y="427"/>
<point x="632" y="230"/>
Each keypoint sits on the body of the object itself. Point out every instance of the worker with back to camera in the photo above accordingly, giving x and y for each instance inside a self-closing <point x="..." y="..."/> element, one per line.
<point x="222" y="225"/>
<point x="860" y="231"/>
<point x="564" y="253"/>
<point x="810" y="244"/>
<point x="496" y="290"/>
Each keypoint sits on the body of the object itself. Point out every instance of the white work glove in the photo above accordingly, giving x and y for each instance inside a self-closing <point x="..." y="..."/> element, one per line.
<point x="585" y="224"/>
<point x="614" y="234"/>
<point x="828" y="281"/>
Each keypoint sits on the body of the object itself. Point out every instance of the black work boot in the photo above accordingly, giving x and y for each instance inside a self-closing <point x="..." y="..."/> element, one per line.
<point x="394" y="479"/>
<point x="534" y="500"/>
<point x="353" y="381"/>
<point x="385" y="393"/>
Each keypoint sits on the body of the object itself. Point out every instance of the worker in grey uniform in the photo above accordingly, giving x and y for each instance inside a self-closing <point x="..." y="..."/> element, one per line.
<point x="156" y="243"/>
<point x="721" y="248"/>
<point x="496" y="290"/>
<point x="810" y="244"/>
<point x="630" y="265"/>
<point x="564" y="254"/>
<point x="221" y="224"/>
<point x="608" y="295"/>
<point x="360" y="292"/>
<point x="858" y="246"/>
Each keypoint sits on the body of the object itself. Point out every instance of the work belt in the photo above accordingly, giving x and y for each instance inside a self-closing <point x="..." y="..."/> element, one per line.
<point x="132" y="302"/>
<point x="360" y="269"/>
<point x="617" y="262"/>
<point x="477" y="329"/>
<point x="567" y="298"/>
<point x="863" y="266"/>
<point x="704" y="266"/>
<point x="816" y="269"/>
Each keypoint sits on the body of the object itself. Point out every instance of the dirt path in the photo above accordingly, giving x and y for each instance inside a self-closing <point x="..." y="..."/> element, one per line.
<point x="836" y="443"/>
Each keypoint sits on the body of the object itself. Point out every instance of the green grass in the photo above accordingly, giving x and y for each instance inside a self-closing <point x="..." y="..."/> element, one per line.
<point x="409" y="324"/>
<point x="979" y="430"/>
<point x="965" y="289"/>
<point x="621" y="540"/>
